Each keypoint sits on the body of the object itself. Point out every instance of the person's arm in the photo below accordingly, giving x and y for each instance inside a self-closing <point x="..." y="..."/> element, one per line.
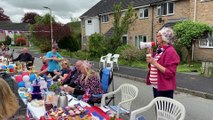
<point x="18" y="58"/>
<point x="43" y="71"/>
<point x="48" y="57"/>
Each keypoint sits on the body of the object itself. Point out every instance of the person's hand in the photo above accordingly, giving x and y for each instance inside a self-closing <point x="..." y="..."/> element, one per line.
<point x="150" y="59"/>
<point x="68" y="89"/>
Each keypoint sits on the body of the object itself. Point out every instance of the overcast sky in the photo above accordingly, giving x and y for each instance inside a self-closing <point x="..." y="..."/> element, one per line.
<point x="63" y="10"/>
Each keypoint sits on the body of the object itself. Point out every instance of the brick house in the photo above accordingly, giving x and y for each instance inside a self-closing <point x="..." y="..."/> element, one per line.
<point x="152" y="15"/>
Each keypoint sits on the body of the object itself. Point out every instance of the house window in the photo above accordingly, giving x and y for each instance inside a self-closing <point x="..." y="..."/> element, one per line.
<point x="207" y="43"/>
<point x="165" y="9"/>
<point x="140" y="38"/>
<point x="143" y="13"/>
<point x="105" y="18"/>
<point x="125" y="39"/>
<point x="89" y="21"/>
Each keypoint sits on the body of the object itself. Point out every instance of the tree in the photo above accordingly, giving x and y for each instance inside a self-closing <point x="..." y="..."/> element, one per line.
<point x="121" y="25"/>
<point x="4" y="17"/>
<point x="187" y="32"/>
<point x="29" y="17"/>
<point x="41" y="30"/>
<point x="75" y="26"/>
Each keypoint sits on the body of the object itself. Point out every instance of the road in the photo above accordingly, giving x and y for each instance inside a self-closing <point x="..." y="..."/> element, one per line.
<point x="197" y="108"/>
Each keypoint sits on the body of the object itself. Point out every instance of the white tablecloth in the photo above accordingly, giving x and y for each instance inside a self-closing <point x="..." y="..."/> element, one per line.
<point x="37" y="112"/>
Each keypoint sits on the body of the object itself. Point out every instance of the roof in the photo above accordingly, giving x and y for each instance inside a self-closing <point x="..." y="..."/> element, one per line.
<point x="106" y="6"/>
<point x="172" y="22"/>
<point x="13" y="26"/>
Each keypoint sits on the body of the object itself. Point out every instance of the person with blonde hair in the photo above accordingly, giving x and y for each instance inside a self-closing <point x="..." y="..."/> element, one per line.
<point x="8" y="102"/>
<point x="63" y="73"/>
<point x="163" y="65"/>
<point x="88" y="81"/>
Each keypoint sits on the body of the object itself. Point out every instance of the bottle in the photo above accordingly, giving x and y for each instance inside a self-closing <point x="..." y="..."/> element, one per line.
<point x="86" y="96"/>
<point x="62" y="99"/>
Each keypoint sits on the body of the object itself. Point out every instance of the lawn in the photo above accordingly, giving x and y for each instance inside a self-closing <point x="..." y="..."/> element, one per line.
<point x="194" y="67"/>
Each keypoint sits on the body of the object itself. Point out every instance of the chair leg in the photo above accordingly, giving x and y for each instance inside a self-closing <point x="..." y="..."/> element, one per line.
<point x="99" y="64"/>
<point x="117" y="66"/>
<point x="103" y="64"/>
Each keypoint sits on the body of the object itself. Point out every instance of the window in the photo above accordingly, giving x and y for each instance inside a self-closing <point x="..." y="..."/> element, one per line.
<point x="207" y="42"/>
<point x="143" y="13"/>
<point x="89" y="21"/>
<point x="165" y="9"/>
<point x="125" y="39"/>
<point x="105" y="18"/>
<point x="140" y="38"/>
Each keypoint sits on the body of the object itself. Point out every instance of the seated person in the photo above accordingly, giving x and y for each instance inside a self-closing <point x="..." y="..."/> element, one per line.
<point x="8" y="102"/>
<point x="88" y="80"/>
<point x="3" y="47"/>
<point x="25" y="56"/>
<point x="43" y="70"/>
<point x="63" y="73"/>
<point x="73" y="74"/>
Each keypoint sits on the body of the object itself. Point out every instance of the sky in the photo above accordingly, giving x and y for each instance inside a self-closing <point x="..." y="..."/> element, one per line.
<point x="62" y="10"/>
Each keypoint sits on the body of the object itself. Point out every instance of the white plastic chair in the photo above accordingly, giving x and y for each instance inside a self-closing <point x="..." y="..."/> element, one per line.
<point x="128" y="93"/>
<point x="114" y="60"/>
<point x="105" y="58"/>
<point x="166" y="108"/>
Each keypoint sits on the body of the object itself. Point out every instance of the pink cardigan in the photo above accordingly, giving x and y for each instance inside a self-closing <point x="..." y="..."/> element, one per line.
<point x="170" y="60"/>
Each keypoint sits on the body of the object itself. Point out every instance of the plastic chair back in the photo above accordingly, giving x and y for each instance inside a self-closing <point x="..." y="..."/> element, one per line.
<point x="166" y="109"/>
<point x="115" y="57"/>
<point x="169" y="109"/>
<point x="128" y="91"/>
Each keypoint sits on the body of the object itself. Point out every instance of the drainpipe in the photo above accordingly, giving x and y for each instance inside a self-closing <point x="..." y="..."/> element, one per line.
<point x="195" y="16"/>
<point x="152" y="36"/>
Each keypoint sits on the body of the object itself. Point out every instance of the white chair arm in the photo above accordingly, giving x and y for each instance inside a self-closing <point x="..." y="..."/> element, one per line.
<point x="123" y="102"/>
<point x="106" y="95"/>
<point x="140" y="110"/>
<point x="119" y="106"/>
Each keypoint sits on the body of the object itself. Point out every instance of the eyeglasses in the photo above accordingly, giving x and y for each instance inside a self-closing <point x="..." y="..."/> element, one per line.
<point x="159" y="35"/>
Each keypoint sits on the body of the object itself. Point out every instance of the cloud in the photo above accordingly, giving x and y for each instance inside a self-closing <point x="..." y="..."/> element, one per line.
<point x="62" y="9"/>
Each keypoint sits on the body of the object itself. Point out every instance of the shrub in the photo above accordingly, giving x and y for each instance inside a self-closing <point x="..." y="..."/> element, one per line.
<point x="82" y="55"/>
<point x="69" y="43"/>
<point x="8" y="40"/>
<point x="133" y="54"/>
<point x="97" y="45"/>
<point x="120" y="49"/>
<point x="45" y="46"/>
<point x="20" y="41"/>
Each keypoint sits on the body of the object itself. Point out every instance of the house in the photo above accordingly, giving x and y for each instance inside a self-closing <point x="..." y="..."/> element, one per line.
<point x="152" y="15"/>
<point x="8" y="28"/>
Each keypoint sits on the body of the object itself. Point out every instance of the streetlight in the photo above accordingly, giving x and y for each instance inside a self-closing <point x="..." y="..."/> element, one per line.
<point x="51" y="26"/>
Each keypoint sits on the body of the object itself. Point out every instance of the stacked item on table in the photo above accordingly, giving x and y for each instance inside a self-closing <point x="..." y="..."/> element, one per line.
<point x="36" y="93"/>
<point x="74" y="112"/>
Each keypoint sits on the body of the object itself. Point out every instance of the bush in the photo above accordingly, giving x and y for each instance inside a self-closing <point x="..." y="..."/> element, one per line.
<point x="97" y="45"/>
<point x="8" y="40"/>
<point x="133" y="54"/>
<point x="20" y="41"/>
<point x="69" y="43"/>
<point x="120" y="49"/>
<point x="82" y="55"/>
<point x="45" y="46"/>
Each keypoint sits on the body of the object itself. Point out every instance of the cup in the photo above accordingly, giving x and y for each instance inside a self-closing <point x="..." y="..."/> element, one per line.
<point x="148" y="55"/>
<point x="48" y="106"/>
